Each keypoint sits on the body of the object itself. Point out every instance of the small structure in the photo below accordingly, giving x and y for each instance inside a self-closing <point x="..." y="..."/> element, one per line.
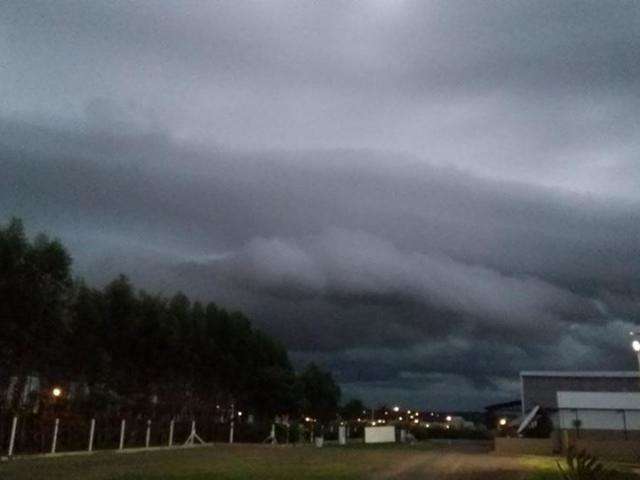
<point x="384" y="434"/>
<point x="342" y="435"/>
<point x="502" y="411"/>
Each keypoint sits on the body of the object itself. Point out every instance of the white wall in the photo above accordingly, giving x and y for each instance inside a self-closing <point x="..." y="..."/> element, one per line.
<point x="386" y="434"/>
<point x="605" y="400"/>
<point x="599" y="410"/>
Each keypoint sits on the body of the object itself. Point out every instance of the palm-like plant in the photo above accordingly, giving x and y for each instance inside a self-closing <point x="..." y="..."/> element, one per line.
<point x="584" y="466"/>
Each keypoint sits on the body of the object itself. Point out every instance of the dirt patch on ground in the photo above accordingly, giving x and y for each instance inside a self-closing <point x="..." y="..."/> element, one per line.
<point x="445" y="465"/>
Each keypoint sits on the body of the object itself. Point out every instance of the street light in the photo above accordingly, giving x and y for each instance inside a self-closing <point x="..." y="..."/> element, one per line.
<point x="396" y="408"/>
<point x="56" y="392"/>
<point x="503" y="422"/>
<point x="449" y="418"/>
<point x="636" y="346"/>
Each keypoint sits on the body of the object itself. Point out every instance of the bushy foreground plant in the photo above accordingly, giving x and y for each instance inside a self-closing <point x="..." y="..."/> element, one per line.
<point x="584" y="466"/>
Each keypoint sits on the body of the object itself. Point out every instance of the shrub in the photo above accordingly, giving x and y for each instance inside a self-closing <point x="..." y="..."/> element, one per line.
<point x="583" y="466"/>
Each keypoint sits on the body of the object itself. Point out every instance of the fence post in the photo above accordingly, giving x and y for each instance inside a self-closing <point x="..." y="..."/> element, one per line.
<point x="171" y="424"/>
<point x="148" y="435"/>
<point x="232" y="423"/>
<point x="12" y="439"/>
<point x="122" y="427"/>
<point x="92" y="431"/>
<point x="55" y="435"/>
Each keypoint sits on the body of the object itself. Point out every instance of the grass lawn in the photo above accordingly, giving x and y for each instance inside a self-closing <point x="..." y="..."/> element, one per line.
<point x="255" y="462"/>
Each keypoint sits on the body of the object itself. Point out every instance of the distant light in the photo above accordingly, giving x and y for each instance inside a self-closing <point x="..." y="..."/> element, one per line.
<point x="416" y="421"/>
<point x="373" y="423"/>
<point x="239" y="414"/>
<point x="449" y="418"/>
<point x="503" y="422"/>
<point x="447" y="427"/>
<point x="428" y="425"/>
<point x="408" y="412"/>
<point x="636" y="345"/>
<point x="400" y="418"/>
<point x="56" y="392"/>
<point x="364" y="411"/>
<point x="396" y="409"/>
<point x="308" y="419"/>
<point x="386" y="413"/>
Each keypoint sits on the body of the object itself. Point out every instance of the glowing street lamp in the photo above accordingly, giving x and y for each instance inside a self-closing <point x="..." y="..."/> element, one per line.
<point x="396" y="409"/>
<point x="449" y="418"/>
<point x="503" y="422"/>
<point x="56" y="392"/>
<point x="636" y="346"/>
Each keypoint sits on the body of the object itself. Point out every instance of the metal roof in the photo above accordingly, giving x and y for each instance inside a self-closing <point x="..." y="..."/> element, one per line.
<point x="552" y="373"/>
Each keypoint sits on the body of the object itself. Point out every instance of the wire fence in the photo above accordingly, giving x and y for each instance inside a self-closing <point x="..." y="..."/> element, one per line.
<point x="30" y="434"/>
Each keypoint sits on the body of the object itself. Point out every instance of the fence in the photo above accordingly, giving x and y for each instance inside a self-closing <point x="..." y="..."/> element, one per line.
<point x="34" y="435"/>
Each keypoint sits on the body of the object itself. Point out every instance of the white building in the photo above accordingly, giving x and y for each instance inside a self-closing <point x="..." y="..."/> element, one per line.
<point x="597" y="404"/>
<point x="599" y="413"/>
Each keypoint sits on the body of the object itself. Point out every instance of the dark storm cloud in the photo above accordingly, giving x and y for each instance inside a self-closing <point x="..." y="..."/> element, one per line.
<point x="424" y="196"/>
<point x="385" y="275"/>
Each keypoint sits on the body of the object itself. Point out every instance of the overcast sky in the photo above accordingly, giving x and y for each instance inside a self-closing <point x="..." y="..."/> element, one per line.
<point x="424" y="197"/>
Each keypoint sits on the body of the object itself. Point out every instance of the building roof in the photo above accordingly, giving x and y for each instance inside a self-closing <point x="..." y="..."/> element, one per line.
<point x="499" y="406"/>
<point x="552" y="373"/>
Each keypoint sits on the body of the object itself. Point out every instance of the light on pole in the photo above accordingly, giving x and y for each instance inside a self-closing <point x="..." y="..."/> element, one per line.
<point x="636" y="348"/>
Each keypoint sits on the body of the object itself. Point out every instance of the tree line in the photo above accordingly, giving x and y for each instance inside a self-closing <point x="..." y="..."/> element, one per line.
<point x="118" y="348"/>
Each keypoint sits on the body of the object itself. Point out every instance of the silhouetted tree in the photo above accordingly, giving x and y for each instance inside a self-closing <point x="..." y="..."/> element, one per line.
<point x="128" y="350"/>
<point x="353" y="409"/>
<point x="320" y="393"/>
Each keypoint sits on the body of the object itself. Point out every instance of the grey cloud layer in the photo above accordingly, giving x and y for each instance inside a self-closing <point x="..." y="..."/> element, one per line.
<point x="544" y="92"/>
<point x="345" y="263"/>
<point x="390" y="273"/>
<point x="417" y="194"/>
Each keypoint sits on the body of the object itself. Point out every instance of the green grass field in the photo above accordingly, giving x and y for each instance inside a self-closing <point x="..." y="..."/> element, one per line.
<point x="254" y="462"/>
